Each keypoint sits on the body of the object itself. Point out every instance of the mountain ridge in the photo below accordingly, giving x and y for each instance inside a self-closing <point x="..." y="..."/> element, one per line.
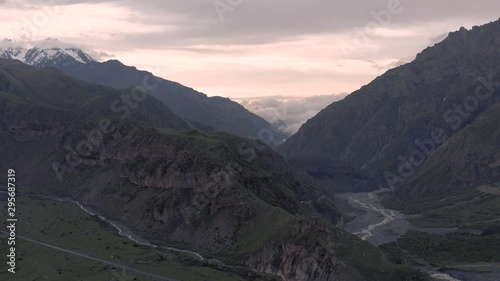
<point x="38" y="84"/>
<point x="44" y="53"/>
<point x="378" y="125"/>
<point x="220" y="113"/>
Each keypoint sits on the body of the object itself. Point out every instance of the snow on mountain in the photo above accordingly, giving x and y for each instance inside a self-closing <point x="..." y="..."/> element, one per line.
<point x="44" y="53"/>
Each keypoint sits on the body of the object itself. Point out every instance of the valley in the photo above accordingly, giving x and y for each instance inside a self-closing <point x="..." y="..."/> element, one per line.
<point x="210" y="195"/>
<point x="123" y="175"/>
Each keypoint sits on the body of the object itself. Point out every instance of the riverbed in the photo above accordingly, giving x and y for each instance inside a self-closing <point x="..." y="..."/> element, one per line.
<point x="377" y="225"/>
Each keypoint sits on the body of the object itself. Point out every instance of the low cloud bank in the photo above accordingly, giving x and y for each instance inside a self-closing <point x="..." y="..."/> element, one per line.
<point x="288" y="113"/>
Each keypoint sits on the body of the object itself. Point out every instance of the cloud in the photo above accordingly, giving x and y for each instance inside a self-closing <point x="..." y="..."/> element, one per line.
<point x="52" y="43"/>
<point x="263" y="21"/>
<point x="288" y="113"/>
<point x="260" y="48"/>
<point x="8" y="43"/>
<point x="99" y="56"/>
<point x="437" y="39"/>
<point x="392" y="64"/>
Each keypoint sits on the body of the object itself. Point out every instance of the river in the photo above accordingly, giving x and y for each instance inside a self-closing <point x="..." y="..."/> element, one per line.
<point x="378" y="226"/>
<point x="120" y="228"/>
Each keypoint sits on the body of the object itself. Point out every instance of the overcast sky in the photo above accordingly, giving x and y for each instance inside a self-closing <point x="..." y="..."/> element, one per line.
<point x="249" y="48"/>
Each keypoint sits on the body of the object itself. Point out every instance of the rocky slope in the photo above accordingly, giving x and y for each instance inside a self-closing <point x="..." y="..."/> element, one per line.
<point x="381" y="125"/>
<point x="469" y="159"/>
<point x="220" y="113"/>
<point x="224" y="196"/>
<point x="52" y="88"/>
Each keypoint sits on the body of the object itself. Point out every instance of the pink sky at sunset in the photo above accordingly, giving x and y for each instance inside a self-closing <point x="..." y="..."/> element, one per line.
<point x="256" y="48"/>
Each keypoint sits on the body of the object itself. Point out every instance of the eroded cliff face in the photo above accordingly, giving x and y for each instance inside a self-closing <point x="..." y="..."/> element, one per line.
<point x="294" y="260"/>
<point x="295" y="263"/>
<point x="315" y="251"/>
<point x="186" y="187"/>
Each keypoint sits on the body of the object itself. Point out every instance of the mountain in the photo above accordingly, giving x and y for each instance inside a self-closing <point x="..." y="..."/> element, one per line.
<point x="429" y="130"/>
<point x="457" y="187"/>
<point x="44" y="87"/>
<point x="226" y="197"/>
<point x="403" y="115"/>
<point x="222" y="114"/>
<point x="468" y="160"/>
<point x="47" y="53"/>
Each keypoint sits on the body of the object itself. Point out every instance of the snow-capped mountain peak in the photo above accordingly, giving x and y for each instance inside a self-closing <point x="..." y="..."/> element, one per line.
<point x="45" y="53"/>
